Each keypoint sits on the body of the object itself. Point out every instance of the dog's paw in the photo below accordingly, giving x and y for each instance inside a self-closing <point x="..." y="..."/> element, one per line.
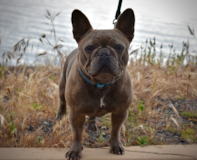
<point x="116" y="148"/>
<point x="92" y="126"/>
<point x="59" y="116"/>
<point x="73" y="154"/>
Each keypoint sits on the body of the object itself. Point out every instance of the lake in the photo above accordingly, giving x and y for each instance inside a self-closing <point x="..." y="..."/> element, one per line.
<point x="167" y="21"/>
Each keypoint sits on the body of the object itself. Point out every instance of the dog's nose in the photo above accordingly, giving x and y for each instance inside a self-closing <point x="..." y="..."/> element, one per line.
<point x="104" y="53"/>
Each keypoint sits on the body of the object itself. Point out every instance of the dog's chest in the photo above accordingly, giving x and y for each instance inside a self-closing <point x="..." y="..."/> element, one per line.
<point x="100" y="106"/>
<point x="102" y="103"/>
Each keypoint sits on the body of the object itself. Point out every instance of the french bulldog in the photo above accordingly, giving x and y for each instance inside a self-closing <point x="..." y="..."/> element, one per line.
<point x="95" y="80"/>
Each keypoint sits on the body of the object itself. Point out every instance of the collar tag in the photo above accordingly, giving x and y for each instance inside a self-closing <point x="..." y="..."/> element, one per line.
<point x="100" y="86"/>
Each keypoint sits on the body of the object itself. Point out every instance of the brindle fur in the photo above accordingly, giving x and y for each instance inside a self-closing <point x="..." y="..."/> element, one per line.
<point x="84" y="99"/>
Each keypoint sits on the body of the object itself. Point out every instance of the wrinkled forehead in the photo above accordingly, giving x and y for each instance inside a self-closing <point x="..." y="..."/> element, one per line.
<point x="105" y="37"/>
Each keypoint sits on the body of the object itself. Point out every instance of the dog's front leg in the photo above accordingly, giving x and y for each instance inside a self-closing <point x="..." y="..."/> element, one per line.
<point x="117" y="120"/>
<point x="77" y="122"/>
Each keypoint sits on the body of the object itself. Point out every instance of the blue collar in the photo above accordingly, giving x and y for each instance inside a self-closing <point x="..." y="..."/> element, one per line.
<point x="98" y="85"/>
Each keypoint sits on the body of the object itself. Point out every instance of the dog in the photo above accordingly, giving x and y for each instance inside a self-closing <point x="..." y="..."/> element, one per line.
<point x="95" y="80"/>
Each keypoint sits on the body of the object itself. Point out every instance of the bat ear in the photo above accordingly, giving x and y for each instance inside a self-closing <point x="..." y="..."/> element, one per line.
<point x="125" y="23"/>
<point x="80" y="25"/>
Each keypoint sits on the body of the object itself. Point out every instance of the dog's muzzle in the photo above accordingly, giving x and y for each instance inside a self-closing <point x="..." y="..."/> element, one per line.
<point x="104" y="62"/>
<point x="104" y="58"/>
<point x="104" y="55"/>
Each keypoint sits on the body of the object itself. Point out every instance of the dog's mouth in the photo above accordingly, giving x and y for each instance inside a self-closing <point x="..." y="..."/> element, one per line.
<point x="104" y="67"/>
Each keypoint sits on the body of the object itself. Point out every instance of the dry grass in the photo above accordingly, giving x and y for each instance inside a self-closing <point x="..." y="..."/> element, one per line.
<point x="152" y="81"/>
<point x="30" y="97"/>
<point x="26" y="101"/>
<point x="154" y="87"/>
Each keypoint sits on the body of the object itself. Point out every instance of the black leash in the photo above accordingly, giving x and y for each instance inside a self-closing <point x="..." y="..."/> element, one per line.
<point x="117" y="12"/>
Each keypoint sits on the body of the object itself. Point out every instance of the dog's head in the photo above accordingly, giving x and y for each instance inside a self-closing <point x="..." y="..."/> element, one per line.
<point x="103" y="54"/>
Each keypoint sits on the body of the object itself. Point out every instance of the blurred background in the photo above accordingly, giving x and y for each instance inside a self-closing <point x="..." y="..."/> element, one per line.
<point x="166" y="21"/>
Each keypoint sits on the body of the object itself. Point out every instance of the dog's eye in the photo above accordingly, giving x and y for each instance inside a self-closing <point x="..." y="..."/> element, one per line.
<point x="119" y="48"/>
<point x="89" y="49"/>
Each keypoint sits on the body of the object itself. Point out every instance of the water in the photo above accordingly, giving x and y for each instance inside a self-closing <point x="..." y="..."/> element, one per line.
<point x="166" y="20"/>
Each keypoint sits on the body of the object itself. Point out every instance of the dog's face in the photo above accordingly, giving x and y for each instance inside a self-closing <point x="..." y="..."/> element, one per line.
<point x="103" y="54"/>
